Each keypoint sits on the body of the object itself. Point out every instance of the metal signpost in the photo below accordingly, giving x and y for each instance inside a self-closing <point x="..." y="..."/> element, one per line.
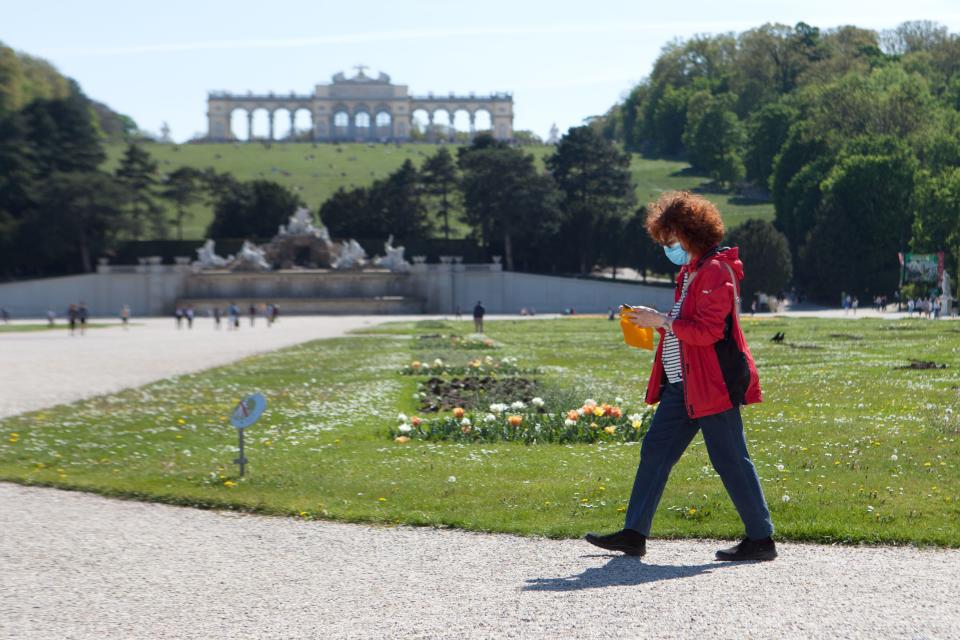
<point x="247" y="412"/>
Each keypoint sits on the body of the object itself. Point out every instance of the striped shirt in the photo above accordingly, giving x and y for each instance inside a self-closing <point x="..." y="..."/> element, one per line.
<point x="671" y="346"/>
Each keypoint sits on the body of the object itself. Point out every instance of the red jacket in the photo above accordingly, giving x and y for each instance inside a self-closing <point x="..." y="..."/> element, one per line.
<point x="714" y="374"/>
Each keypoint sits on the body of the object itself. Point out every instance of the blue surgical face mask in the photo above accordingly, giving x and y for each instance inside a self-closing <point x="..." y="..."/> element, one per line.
<point x="676" y="254"/>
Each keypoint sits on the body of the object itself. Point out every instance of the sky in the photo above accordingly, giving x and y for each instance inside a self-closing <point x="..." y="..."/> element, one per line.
<point x="563" y="61"/>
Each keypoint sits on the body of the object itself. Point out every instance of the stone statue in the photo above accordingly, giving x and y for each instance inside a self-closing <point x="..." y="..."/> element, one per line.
<point x="207" y="257"/>
<point x="301" y="224"/>
<point x="352" y="256"/>
<point x="394" y="258"/>
<point x="250" y="258"/>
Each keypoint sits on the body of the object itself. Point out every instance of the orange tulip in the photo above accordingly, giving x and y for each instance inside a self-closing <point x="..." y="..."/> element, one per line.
<point x="573" y="415"/>
<point x="616" y="412"/>
<point x="415" y="421"/>
<point x="515" y="420"/>
<point x="458" y="412"/>
<point x="401" y="439"/>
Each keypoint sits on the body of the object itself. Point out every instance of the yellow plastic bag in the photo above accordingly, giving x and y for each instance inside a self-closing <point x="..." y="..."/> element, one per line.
<point x="639" y="337"/>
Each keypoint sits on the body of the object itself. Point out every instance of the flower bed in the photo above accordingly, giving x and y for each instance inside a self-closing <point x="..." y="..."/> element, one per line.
<point x="475" y="366"/>
<point x="440" y="394"/>
<point x="529" y="423"/>
<point x="454" y="341"/>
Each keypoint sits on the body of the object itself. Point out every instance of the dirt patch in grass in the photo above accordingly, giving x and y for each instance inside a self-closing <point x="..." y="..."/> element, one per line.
<point x="923" y="364"/>
<point x="475" y="391"/>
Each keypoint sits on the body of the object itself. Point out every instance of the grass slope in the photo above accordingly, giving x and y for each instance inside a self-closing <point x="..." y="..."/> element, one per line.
<point x="316" y="171"/>
<point x="849" y="448"/>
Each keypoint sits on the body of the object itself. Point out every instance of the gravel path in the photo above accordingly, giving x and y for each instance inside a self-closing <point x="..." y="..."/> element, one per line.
<point x="76" y="565"/>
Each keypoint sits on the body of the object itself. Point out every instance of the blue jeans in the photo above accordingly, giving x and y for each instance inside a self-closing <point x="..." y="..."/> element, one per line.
<point x="670" y="433"/>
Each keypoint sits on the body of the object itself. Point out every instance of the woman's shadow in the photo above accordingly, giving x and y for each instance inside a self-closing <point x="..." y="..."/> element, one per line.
<point x="621" y="571"/>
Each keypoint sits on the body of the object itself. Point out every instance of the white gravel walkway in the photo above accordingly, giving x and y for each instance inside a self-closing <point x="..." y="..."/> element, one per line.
<point x="76" y="565"/>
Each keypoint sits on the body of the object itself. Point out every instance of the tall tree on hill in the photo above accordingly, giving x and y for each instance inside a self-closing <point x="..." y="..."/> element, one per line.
<point x="79" y="215"/>
<point x="439" y="175"/>
<point x="594" y="177"/>
<point x="63" y="134"/>
<point x="252" y="209"/>
<point x="138" y="173"/>
<point x="349" y="214"/>
<point x="183" y="188"/>
<point x="714" y="137"/>
<point x="400" y="198"/>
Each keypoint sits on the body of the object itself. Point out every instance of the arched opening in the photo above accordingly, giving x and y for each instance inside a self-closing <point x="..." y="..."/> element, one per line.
<point x="261" y="124"/>
<point x="418" y="124"/>
<point x="341" y="124"/>
<point x="302" y="124"/>
<point x="361" y="125"/>
<point x="282" y="126"/>
<point x="384" y="123"/>
<point x="482" y="121"/>
<point x="461" y="125"/>
<point x="238" y="124"/>
<point x="442" y="125"/>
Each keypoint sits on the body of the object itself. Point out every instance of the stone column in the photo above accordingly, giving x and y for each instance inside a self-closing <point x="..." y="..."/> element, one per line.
<point x="293" y="121"/>
<point x="473" y="124"/>
<point x="430" y="133"/>
<point x="453" y="132"/>
<point x="249" y="126"/>
<point x="270" y="123"/>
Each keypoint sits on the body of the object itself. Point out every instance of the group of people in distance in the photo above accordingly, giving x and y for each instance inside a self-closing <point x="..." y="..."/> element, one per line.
<point x="270" y="312"/>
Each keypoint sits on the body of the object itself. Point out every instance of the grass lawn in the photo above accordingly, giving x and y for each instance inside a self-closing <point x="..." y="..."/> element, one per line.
<point x="23" y="328"/>
<point x="849" y="447"/>
<point x="316" y="171"/>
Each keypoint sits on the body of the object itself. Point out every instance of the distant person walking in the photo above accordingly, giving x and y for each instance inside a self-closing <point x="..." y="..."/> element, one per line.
<point x="189" y="315"/>
<point x="125" y="317"/>
<point x="855" y="304"/>
<point x="216" y="318"/>
<point x="253" y="314"/>
<point x="72" y="318"/>
<point x="178" y="314"/>
<point x="6" y="315"/>
<point x="82" y="315"/>
<point x="275" y="313"/>
<point x="51" y="317"/>
<point x="233" y="316"/>
<point x="478" y="312"/>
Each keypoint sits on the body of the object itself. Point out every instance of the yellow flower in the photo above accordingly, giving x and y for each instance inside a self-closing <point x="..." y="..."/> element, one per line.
<point x="229" y="483"/>
<point x="621" y="509"/>
<point x="304" y="514"/>
<point x="611" y="429"/>
<point x="267" y="443"/>
<point x="181" y="421"/>
<point x="594" y="425"/>
<point x="637" y="424"/>
<point x="692" y="511"/>
<point x="382" y="499"/>
<point x="598" y="411"/>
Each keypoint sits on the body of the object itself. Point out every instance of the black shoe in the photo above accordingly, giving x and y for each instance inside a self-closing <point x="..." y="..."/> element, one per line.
<point x="631" y="542"/>
<point x="765" y="549"/>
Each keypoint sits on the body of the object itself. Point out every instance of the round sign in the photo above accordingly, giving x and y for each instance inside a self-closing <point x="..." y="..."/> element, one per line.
<point x="248" y="411"/>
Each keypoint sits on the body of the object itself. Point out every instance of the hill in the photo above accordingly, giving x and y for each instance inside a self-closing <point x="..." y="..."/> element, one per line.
<point x="315" y="171"/>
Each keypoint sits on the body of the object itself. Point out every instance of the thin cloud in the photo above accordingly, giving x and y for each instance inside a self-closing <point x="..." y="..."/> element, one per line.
<point x="392" y="36"/>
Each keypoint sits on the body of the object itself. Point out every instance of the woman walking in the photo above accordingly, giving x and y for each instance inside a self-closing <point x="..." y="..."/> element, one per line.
<point x="702" y="373"/>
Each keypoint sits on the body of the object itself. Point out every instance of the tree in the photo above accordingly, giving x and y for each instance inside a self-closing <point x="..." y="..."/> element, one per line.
<point x="864" y="219"/>
<point x="439" y="176"/>
<point x="138" y="173"/>
<point x="766" y="256"/>
<point x="714" y="136"/>
<point x="79" y="216"/>
<point x="400" y="199"/>
<point x="183" y="188"/>
<point x="349" y="214"/>
<point x="937" y="224"/>
<point x="252" y="209"/>
<point x="594" y="177"/>
<point x="767" y="130"/>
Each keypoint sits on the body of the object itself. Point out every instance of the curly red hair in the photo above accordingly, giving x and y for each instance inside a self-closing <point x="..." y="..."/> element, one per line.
<point x="691" y="218"/>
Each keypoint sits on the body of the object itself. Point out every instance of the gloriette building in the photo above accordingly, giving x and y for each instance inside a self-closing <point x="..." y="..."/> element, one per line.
<point x="361" y="108"/>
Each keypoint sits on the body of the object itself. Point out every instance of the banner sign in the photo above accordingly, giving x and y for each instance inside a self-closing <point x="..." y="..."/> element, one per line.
<point x="922" y="267"/>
